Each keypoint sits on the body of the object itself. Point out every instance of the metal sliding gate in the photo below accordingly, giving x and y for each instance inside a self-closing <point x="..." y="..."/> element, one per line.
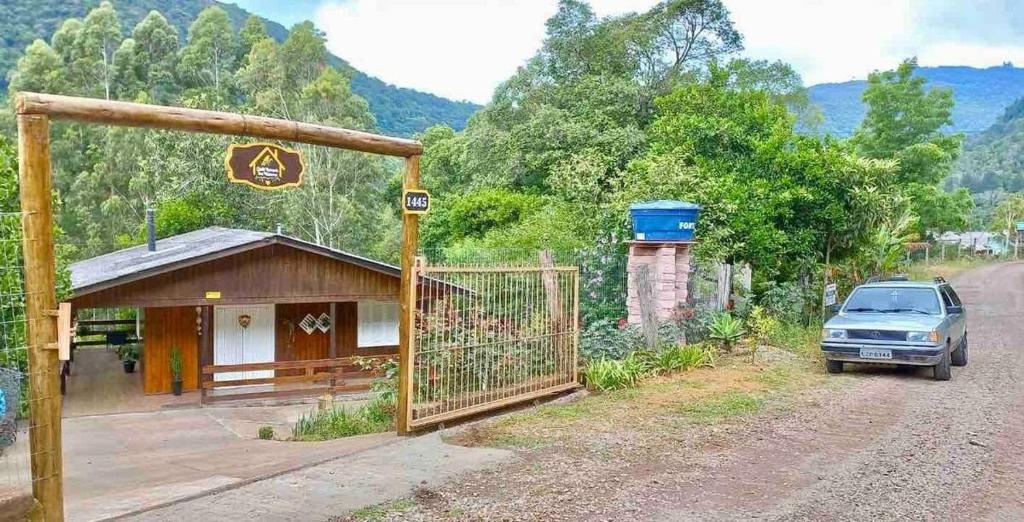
<point x="487" y="337"/>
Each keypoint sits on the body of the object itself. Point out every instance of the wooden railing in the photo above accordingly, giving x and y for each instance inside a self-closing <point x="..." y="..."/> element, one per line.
<point x="321" y="376"/>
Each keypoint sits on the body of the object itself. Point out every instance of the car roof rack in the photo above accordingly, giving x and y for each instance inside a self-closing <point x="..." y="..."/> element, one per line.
<point x="899" y="277"/>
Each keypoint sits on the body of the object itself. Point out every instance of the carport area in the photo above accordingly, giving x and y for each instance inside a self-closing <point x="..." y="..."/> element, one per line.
<point x="123" y="463"/>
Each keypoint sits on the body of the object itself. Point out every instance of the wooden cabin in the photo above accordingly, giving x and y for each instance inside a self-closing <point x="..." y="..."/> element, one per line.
<point x="229" y="297"/>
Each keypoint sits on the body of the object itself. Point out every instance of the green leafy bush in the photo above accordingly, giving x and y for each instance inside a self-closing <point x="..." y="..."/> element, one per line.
<point x="682" y="358"/>
<point x="611" y="374"/>
<point x="604" y="339"/>
<point x="763" y="328"/>
<point x="789" y="302"/>
<point x="727" y="330"/>
<point x="336" y="423"/>
<point x="266" y="433"/>
<point x="377" y="416"/>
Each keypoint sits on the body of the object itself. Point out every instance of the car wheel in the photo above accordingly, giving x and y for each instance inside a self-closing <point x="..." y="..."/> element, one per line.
<point x="833" y="366"/>
<point x="959" y="357"/>
<point x="942" y="371"/>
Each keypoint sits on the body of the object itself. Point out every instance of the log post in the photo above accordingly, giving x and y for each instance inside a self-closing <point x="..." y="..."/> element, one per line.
<point x="40" y="300"/>
<point x="407" y="297"/>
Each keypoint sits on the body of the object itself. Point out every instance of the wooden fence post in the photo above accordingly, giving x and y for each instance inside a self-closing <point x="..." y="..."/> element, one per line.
<point x="407" y="297"/>
<point x="40" y="306"/>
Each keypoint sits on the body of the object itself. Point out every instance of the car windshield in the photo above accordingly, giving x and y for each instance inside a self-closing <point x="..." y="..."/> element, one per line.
<point x="878" y="299"/>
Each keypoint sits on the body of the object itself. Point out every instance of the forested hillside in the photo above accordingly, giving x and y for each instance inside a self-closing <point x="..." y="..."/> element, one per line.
<point x="398" y="111"/>
<point x="981" y="95"/>
<point x="994" y="159"/>
<point x="105" y="177"/>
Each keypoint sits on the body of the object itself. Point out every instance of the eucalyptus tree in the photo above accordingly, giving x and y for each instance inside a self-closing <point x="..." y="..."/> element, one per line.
<point x="208" y="59"/>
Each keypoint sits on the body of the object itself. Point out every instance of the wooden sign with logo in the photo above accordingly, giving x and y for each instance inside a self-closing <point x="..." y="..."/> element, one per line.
<point x="415" y="201"/>
<point x="264" y="166"/>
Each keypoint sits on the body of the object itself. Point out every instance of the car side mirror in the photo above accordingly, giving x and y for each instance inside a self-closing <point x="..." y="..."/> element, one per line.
<point x="950" y="310"/>
<point x="834" y="308"/>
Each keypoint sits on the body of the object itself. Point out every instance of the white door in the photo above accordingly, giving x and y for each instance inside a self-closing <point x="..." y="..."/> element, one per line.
<point x="235" y="344"/>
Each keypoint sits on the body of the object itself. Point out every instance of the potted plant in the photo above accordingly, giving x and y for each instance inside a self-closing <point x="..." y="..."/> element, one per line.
<point x="176" y="370"/>
<point x="129" y="354"/>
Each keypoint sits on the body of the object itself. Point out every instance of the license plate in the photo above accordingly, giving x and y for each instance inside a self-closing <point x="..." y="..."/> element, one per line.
<point x="875" y="353"/>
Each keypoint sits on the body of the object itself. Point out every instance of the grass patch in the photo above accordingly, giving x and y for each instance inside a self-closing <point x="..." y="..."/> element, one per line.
<point x="723" y="407"/>
<point x="947" y="269"/>
<point x="337" y="423"/>
<point x="666" y="403"/>
<point x="382" y="511"/>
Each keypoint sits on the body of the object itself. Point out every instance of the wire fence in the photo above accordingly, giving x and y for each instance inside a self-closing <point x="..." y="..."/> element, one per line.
<point x="15" y="380"/>
<point x="485" y="337"/>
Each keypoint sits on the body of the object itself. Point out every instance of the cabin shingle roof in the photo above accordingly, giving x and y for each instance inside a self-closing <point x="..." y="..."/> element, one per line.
<point x="190" y="248"/>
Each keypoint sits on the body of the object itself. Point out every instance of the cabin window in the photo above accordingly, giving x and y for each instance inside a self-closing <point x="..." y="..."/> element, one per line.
<point x="378" y="324"/>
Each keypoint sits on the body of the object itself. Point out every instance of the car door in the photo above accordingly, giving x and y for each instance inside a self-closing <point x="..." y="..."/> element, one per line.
<point x="963" y="310"/>
<point x="954" y="312"/>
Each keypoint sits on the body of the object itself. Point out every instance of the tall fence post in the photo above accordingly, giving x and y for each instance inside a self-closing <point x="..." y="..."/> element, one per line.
<point x="40" y="312"/>
<point x="407" y="296"/>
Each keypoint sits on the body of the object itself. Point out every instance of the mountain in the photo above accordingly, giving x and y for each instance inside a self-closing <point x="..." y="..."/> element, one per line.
<point x="981" y="96"/>
<point x="399" y="111"/>
<point x="994" y="159"/>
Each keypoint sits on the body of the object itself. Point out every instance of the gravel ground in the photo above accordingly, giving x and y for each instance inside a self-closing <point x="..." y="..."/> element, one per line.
<point x="888" y="444"/>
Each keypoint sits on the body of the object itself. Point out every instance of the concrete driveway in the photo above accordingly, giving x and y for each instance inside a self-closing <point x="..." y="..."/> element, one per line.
<point x="120" y="464"/>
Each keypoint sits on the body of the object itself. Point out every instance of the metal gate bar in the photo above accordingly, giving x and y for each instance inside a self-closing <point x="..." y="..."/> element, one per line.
<point x="487" y="337"/>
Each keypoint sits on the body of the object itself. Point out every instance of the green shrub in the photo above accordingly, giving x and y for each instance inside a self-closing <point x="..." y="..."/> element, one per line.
<point x="789" y="302"/>
<point x="727" y="330"/>
<point x="266" y="433"/>
<point x="763" y="328"/>
<point x="377" y="416"/>
<point x="611" y="374"/>
<point x="682" y="358"/>
<point x="603" y="339"/>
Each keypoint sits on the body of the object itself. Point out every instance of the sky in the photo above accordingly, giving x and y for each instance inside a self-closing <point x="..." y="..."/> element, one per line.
<point x="462" y="49"/>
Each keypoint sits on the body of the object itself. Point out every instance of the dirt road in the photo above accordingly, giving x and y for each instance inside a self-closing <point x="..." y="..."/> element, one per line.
<point x="890" y="444"/>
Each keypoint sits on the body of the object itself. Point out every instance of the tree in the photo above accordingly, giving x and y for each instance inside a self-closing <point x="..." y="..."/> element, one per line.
<point x="39" y="70"/>
<point x="1007" y="214"/>
<point x="99" y="38"/>
<point x="304" y="53"/>
<point x="208" y="59"/>
<point x="156" y="47"/>
<point x="253" y="32"/>
<point x="904" y="123"/>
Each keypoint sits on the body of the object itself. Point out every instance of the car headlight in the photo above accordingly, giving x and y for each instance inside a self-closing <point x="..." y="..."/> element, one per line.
<point x="923" y="337"/>
<point x="829" y="334"/>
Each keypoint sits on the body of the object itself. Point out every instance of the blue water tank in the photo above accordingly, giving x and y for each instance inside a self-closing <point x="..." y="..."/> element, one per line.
<point x="664" y="220"/>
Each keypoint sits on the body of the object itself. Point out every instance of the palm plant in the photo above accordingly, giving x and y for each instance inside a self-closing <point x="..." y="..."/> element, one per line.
<point x="727" y="330"/>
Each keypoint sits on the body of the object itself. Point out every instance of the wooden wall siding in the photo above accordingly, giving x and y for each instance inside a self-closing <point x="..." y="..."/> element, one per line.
<point x="165" y="328"/>
<point x="293" y="343"/>
<point x="270" y="274"/>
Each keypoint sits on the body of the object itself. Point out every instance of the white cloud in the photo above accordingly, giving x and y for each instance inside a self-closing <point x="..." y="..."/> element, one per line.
<point x="460" y="49"/>
<point x="463" y="49"/>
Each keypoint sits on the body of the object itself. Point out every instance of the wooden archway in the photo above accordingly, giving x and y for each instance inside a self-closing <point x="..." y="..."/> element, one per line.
<point x="34" y="113"/>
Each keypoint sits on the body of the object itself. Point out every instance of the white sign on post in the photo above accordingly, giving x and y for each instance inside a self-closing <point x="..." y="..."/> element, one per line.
<point x="830" y="294"/>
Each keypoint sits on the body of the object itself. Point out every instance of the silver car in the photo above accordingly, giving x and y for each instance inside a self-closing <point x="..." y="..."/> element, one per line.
<point x="899" y="322"/>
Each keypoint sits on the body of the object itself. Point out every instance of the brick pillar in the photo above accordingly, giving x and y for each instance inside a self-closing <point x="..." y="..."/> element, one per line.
<point x="669" y="268"/>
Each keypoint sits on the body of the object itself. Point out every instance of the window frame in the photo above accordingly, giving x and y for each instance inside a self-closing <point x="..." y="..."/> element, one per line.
<point x="374" y="320"/>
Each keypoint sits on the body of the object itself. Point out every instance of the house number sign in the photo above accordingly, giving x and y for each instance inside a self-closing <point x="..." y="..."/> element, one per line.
<point x="415" y="201"/>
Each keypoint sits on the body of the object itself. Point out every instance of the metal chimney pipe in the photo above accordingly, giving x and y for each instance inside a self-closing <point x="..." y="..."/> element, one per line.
<point x="151" y="229"/>
<point x="280" y="229"/>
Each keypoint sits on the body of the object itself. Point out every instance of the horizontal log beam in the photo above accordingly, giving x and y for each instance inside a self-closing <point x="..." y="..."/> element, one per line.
<point x="91" y="110"/>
